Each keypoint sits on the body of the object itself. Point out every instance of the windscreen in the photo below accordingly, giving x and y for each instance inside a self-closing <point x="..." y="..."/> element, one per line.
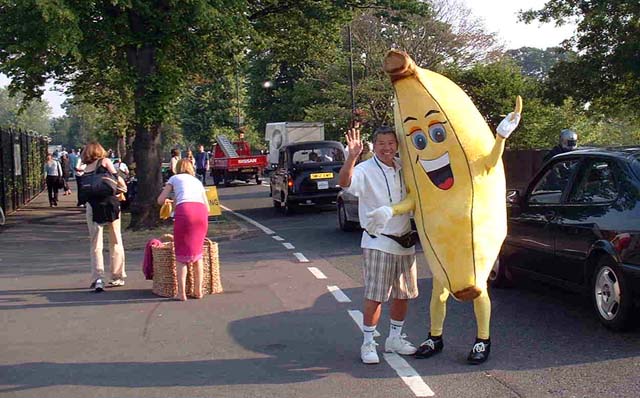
<point x="320" y="154"/>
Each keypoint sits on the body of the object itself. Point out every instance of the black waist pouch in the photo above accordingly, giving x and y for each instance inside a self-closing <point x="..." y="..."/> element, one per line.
<point x="407" y="240"/>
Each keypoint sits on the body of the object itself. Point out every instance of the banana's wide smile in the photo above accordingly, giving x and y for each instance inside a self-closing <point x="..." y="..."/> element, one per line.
<point x="438" y="170"/>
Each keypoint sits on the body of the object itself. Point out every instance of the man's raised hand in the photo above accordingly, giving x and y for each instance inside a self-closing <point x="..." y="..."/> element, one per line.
<point x="354" y="144"/>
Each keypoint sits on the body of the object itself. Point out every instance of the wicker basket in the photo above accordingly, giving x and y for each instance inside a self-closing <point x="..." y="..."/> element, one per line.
<point x="165" y="280"/>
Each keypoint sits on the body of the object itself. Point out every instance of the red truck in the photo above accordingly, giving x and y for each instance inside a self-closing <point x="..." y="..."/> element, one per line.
<point x="233" y="161"/>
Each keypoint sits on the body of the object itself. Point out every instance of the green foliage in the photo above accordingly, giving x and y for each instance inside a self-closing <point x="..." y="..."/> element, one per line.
<point x="607" y="40"/>
<point x="535" y="62"/>
<point x="34" y="116"/>
<point x="494" y="87"/>
<point x="207" y="106"/>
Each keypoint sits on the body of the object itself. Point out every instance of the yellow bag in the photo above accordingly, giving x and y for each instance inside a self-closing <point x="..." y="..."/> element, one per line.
<point x="166" y="210"/>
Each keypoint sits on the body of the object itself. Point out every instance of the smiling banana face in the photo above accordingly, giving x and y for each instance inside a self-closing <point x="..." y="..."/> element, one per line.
<point x="444" y="142"/>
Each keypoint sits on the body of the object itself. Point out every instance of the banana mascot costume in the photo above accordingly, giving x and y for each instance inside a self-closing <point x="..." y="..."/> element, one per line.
<point x="452" y="167"/>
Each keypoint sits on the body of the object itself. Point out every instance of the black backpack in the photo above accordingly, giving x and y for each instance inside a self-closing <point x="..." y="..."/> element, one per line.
<point x="97" y="184"/>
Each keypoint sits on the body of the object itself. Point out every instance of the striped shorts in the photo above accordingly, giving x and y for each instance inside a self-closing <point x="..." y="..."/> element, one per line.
<point x="388" y="275"/>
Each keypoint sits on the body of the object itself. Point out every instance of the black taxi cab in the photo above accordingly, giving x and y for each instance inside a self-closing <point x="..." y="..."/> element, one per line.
<point x="306" y="174"/>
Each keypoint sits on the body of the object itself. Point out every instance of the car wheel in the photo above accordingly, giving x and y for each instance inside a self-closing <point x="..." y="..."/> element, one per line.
<point x="344" y="223"/>
<point x="500" y="276"/>
<point x="611" y="295"/>
<point x="258" y="180"/>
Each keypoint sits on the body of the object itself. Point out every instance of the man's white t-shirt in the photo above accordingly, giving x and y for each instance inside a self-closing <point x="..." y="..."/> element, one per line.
<point x="187" y="188"/>
<point x="376" y="184"/>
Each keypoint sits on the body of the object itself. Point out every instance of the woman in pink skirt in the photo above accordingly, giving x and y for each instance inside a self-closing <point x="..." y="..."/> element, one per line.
<point x="190" y="223"/>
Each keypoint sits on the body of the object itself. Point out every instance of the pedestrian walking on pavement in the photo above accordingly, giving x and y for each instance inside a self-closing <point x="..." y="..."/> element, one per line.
<point x="175" y="156"/>
<point x="66" y="172"/>
<point x="389" y="267"/>
<point x="79" y="168"/>
<point x="190" y="223"/>
<point x="189" y="156"/>
<point x="103" y="212"/>
<point x="202" y="164"/>
<point x="53" y="177"/>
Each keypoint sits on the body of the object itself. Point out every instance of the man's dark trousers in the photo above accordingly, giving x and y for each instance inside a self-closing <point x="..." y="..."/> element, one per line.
<point x="202" y="173"/>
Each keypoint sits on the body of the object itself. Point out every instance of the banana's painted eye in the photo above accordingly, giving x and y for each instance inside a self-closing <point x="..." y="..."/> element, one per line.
<point x="419" y="139"/>
<point x="437" y="132"/>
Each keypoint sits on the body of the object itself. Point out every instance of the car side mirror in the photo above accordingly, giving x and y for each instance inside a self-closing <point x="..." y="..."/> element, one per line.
<point x="513" y="196"/>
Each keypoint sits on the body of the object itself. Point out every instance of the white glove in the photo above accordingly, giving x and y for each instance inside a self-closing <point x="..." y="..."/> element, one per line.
<point x="378" y="219"/>
<point x="507" y="125"/>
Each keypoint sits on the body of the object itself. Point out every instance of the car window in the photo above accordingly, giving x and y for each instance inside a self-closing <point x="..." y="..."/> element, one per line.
<point x="322" y="154"/>
<point x="549" y="188"/>
<point x="597" y="184"/>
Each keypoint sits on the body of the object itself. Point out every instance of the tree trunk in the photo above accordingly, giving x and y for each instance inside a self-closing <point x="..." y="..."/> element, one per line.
<point x="146" y="145"/>
<point x="146" y="151"/>
<point x="130" y="137"/>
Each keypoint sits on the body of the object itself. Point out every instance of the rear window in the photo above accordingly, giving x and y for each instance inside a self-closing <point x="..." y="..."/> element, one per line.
<point x="321" y="154"/>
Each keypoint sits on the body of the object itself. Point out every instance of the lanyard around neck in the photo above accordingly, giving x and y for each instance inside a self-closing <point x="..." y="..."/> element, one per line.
<point x="375" y="159"/>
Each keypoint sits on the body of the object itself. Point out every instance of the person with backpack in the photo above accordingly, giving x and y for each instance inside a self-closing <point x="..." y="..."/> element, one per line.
<point x="102" y="210"/>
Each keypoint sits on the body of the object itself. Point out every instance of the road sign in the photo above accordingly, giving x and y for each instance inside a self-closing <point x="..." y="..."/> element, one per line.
<point x="214" y="204"/>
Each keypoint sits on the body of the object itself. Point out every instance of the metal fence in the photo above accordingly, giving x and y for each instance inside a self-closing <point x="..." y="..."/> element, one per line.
<point x="22" y="156"/>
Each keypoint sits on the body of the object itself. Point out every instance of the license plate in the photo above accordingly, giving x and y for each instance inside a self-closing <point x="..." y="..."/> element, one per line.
<point x="323" y="184"/>
<point x="318" y="176"/>
<point x="247" y="170"/>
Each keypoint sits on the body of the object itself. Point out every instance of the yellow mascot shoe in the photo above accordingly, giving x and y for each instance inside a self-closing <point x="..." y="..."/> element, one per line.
<point x="452" y="166"/>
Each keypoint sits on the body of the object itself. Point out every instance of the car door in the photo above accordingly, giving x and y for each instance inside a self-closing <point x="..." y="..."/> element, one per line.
<point x="532" y="230"/>
<point x="583" y="220"/>
<point x="279" y="182"/>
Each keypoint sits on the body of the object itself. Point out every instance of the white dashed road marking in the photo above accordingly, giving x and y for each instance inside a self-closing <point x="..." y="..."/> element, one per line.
<point x="338" y="294"/>
<point x="359" y="320"/>
<point x="409" y="375"/>
<point x="250" y="221"/>
<point x="316" y="272"/>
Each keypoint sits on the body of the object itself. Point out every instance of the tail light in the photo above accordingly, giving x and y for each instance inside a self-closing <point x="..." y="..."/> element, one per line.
<point x="621" y="242"/>
<point x="289" y="182"/>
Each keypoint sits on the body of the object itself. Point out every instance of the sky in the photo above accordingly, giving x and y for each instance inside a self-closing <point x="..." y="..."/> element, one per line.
<point x="500" y="16"/>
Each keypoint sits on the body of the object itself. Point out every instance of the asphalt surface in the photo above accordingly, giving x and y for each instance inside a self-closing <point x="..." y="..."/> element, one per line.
<point x="277" y="331"/>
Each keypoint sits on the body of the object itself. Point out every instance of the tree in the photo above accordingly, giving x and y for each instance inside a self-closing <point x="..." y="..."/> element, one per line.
<point x="150" y="50"/>
<point x="34" y="115"/>
<point x="535" y="62"/>
<point x="207" y="106"/>
<point x="607" y="40"/>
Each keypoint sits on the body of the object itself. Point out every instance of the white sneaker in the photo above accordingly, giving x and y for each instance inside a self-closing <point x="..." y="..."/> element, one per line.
<point x="399" y="345"/>
<point x="368" y="353"/>
<point x="116" y="282"/>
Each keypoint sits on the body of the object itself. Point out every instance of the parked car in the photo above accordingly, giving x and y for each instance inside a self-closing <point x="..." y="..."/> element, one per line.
<point x="306" y="174"/>
<point x="347" y="211"/>
<point x="577" y="224"/>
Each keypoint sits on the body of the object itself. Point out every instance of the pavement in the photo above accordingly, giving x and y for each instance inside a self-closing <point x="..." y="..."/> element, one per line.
<point x="57" y="334"/>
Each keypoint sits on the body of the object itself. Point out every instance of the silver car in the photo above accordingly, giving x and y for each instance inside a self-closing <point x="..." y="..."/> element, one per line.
<point x="347" y="206"/>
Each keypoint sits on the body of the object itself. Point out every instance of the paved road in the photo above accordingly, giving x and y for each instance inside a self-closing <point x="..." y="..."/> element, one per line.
<point x="277" y="331"/>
